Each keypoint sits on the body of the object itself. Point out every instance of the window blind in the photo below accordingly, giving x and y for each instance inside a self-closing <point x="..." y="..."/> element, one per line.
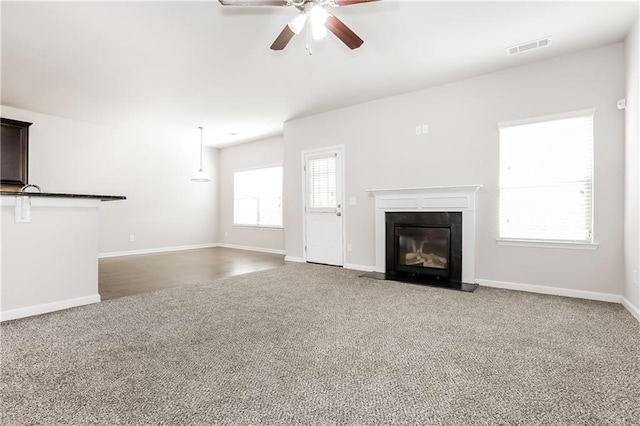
<point x="322" y="182"/>
<point x="546" y="180"/>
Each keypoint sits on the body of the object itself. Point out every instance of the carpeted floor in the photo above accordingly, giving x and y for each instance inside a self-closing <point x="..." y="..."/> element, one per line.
<point x="310" y="344"/>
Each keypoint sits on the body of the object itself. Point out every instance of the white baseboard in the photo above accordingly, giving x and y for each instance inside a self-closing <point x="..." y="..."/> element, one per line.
<point x="633" y="309"/>
<point x="260" y="249"/>
<point x="363" y="268"/>
<point x="48" y="307"/>
<point x="192" y="247"/>
<point x="155" y="250"/>
<point x="352" y="266"/>
<point x="556" y="291"/>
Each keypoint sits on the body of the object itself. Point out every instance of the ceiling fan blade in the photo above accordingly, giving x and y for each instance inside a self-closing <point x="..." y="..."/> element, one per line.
<point x="343" y="32"/>
<point x="349" y="2"/>
<point x="283" y="39"/>
<point x="255" y="2"/>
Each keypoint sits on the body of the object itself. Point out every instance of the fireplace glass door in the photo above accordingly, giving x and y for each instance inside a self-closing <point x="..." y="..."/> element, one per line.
<point x="423" y="250"/>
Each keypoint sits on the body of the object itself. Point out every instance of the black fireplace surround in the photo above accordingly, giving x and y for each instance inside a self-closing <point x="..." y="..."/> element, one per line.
<point x="424" y="248"/>
<point x="424" y="245"/>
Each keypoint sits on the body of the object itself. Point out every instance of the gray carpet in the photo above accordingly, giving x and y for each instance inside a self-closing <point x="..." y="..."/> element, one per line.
<point x="310" y="344"/>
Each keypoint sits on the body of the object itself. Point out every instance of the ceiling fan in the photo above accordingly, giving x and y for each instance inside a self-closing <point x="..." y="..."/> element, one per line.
<point x="314" y="16"/>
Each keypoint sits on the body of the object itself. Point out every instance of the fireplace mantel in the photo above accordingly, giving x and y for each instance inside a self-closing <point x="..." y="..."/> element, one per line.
<point x="466" y="189"/>
<point x="430" y="199"/>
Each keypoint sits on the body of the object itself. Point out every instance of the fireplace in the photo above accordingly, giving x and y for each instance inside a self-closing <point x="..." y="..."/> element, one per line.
<point x="424" y="245"/>
<point x="434" y="237"/>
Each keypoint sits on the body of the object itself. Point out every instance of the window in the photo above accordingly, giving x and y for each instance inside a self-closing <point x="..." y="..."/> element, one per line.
<point x="322" y="182"/>
<point x="546" y="172"/>
<point x="257" y="197"/>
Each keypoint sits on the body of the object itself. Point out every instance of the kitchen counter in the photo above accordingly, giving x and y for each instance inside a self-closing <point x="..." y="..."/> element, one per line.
<point x="61" y="195"/>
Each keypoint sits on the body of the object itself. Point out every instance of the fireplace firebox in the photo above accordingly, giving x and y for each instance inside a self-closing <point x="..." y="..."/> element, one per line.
<point x="422" y="250"/>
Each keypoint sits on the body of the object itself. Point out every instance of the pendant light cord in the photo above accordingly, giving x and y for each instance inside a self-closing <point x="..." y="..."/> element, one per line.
<point x="200" y="147"/>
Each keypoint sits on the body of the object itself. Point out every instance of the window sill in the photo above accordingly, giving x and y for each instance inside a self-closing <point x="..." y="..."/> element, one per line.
<point x="272" y="227"/>
<point x="547" y="244"/>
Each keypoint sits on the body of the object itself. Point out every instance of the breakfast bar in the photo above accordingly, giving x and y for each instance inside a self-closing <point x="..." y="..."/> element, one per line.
<point x="49" y="251"/>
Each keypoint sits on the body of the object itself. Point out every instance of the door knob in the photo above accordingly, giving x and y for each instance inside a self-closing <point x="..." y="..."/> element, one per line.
<point x="338" y="214"/>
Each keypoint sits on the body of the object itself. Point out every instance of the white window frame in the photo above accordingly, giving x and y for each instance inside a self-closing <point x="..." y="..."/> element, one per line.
<point x="257" y="226"/>
<point x="541" y="243"/>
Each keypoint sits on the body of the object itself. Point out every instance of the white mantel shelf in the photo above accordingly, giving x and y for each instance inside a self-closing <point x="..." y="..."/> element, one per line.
<point x="426" y="189"/>
<point x="430" y="199"/>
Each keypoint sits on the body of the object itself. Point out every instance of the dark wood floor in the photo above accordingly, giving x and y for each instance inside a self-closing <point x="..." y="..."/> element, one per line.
<point x="127" y="275"/>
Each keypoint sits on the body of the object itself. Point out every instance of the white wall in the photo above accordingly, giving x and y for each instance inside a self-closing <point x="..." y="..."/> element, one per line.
<point x="632" y="171"/>
<point x="382" y="151"/>
<point x="151" y="168"/>
<point x="263" y="153"/>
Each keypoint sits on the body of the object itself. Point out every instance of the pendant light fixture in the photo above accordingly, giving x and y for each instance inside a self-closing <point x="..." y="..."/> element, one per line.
<point x="200" y="175"/>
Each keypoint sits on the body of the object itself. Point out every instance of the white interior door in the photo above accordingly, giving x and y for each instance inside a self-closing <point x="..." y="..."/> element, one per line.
<point x="323" y="207"/>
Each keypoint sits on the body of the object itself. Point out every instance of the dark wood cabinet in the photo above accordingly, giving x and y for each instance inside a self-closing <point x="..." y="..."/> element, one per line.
<point x="14" y="153"/>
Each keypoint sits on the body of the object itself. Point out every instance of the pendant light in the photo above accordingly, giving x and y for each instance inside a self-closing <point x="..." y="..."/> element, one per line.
<point x="200" y="175"/>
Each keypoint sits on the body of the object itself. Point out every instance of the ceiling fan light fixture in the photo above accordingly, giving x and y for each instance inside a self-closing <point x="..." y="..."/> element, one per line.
<point x="318" y="32"/>
<point x="296" y="24"/>
<point x="318" y="16"/>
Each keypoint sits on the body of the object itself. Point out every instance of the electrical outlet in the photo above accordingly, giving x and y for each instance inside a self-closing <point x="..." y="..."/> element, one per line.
<point x="353" y="201"/>
<point x="349" y="247"/>
<point x="132" y="237"/>
<point x="422" y="129"/>
<point x="226" y="233"/>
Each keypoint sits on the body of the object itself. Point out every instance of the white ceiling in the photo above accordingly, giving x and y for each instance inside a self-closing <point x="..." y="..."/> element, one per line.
<point x="184" y="64"/>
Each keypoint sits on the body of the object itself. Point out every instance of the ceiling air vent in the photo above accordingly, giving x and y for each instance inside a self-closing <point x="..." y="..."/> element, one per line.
<point x="531" y="45"/>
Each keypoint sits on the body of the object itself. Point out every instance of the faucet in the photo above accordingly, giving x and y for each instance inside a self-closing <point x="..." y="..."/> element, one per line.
<point x="24" y="188"/>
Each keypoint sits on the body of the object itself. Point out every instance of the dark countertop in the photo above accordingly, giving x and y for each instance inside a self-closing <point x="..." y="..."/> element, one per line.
<point x="54" y="195"/>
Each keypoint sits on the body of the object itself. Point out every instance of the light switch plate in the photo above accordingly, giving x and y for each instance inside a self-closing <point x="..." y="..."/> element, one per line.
<point x="23" y="209"/>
